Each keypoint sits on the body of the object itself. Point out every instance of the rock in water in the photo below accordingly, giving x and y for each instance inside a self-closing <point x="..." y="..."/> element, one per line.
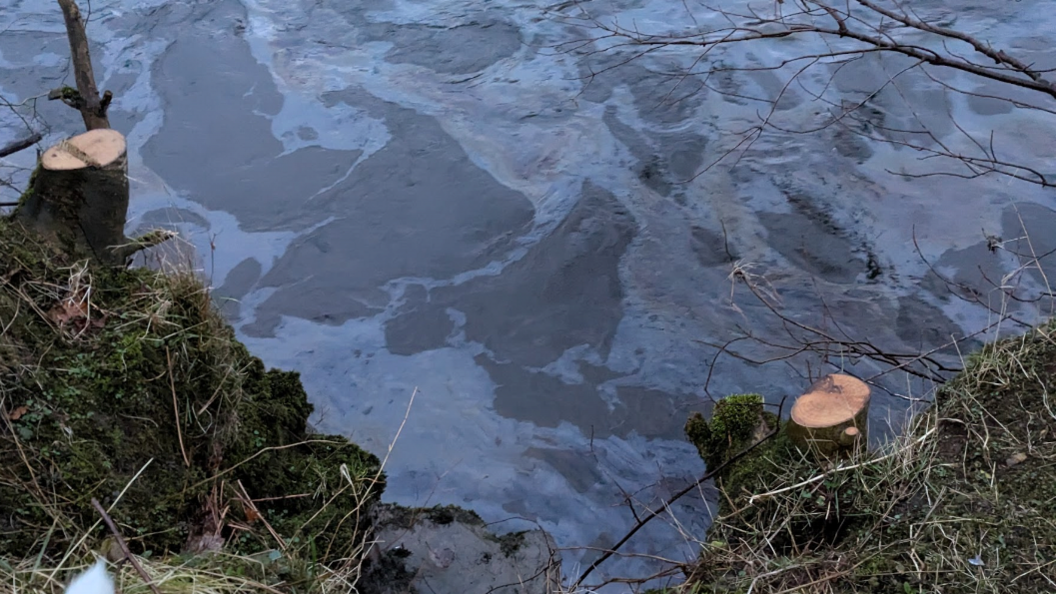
<point x="447" y="549"/>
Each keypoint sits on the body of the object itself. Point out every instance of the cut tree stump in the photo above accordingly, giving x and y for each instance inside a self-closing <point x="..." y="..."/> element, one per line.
<point x="831" y="418"/>
<point x="79" y="196"/>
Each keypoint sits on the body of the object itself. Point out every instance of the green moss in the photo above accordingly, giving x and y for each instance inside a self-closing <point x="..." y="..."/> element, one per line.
<point x="737" y="422"/>
<point x="511" y="543"/>
<point x="442" y="515"/>
<point x="28" y="193"/>
<point x="734" y="422"/>
<point x="147" y="402"/>
<point x="749" y="474"/>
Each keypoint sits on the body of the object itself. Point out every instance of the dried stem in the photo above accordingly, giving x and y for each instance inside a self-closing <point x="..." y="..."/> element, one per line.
<point x="176" y="410"/>
<point x="124" y="547"/>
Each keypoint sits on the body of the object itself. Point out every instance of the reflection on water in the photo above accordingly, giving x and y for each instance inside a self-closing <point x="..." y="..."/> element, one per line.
<point x="425" y="196"/>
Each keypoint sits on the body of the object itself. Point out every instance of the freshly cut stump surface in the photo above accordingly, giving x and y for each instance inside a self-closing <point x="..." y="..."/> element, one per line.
<point x="97" y="148"/>
<point x="832" y="416"/>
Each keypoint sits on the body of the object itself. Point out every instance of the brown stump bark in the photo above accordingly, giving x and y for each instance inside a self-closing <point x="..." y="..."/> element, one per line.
<point x="832" y="417"/>
<point x="79" y="196"/>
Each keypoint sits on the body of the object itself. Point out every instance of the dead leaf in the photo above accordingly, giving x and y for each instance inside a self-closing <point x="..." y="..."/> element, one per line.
<point x="74" y="311"/>
<point x="17" y="413"/>
<point x="67" y="310"/>
<point x="1015" y="459"/>
<point x="251" y="515"/>
<point x="111" y="550"/>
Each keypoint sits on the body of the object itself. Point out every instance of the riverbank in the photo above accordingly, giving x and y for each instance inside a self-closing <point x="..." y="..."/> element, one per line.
<point x="127" y="388"/>
<point x="963" y="501"/>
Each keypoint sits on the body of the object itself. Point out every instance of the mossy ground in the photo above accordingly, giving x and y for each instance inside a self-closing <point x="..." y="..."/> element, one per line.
<point x="127" y="387"/>
<point x="964" y="502"/>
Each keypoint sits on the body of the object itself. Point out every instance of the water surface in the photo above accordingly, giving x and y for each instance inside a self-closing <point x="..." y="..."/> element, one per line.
<point x="404" y="198"/>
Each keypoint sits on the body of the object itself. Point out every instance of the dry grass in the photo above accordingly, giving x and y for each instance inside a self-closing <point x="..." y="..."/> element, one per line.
<point x="214" y="573"/>
<point x="167" y="576"/>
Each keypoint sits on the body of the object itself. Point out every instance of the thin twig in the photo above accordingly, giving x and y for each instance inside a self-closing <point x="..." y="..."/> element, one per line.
<point x="671" y="500"/>
<point x="176" y="409"/>
<point x="262" y="451"/>
<point x="84" y="536"/>
<point x="248" y="502"/>
<point x="19" y="145"/>
<point x="124" y="547"/>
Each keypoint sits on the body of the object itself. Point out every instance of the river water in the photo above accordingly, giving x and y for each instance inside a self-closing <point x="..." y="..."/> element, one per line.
<point x="437" y="199"/>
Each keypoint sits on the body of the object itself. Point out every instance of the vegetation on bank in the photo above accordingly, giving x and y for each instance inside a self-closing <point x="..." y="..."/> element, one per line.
<point x="963" y="502"/>
<point x="126" y="386"/>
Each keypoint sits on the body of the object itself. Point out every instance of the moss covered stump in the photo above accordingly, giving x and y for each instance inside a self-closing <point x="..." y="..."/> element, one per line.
<point x="737" y="422"/>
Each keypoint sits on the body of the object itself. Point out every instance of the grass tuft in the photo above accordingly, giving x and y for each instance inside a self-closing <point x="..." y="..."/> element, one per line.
<point x="963" y="502"/>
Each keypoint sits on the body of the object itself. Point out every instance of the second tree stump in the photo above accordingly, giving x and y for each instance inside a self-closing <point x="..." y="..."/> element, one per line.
<point x="832" y="417"/>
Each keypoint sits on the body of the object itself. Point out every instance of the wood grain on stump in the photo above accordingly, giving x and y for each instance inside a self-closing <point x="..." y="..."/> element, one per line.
<point x="79" y="195"/>
<point x="832" y="416"/>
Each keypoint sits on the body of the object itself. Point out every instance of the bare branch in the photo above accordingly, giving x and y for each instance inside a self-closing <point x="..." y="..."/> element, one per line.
<point x="866" y="27"/>
<point x="998" y="56"/>
<point x="124" y="547"/>
<point x="671" y="500"/>
<point x="19" y="145"/>
<point x="85" y="98"/>
<point x="1030" y="79"/>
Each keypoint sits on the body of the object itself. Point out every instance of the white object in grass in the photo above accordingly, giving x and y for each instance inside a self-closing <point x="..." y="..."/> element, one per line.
<point x="93" y="581"/>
